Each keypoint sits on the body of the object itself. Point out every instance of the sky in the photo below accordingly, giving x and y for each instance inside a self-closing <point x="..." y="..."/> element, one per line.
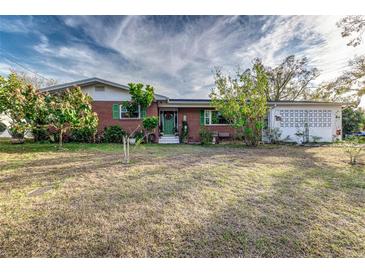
<point x="175" y="54"/>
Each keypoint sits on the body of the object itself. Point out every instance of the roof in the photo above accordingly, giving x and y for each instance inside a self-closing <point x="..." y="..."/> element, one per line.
<point x="202" y="101"/>
<point x="95" y="80"/>
<point x="91" y="81"/>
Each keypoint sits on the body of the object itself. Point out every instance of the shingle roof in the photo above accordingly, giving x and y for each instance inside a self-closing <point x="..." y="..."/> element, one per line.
<point x="90" y="81"/>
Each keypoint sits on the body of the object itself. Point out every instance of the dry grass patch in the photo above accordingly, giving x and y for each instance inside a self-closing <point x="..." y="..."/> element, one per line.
<point x="180" y="201"/>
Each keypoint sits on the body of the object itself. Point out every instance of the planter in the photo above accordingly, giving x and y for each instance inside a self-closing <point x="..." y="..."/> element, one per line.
<point x="132" y="141"/>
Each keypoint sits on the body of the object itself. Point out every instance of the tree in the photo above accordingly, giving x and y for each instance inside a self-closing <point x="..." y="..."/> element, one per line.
<point x="242" y="100"/>
<point x="290" y="80"/>
<point x="343" y="88"/>
<point x="353" y="25"/>
<point x="140" y="97"/>
<point x="68" y="110"/>
<point x="350" y="86"/>
<point x="149" y="124"/>
<point x="352" y="120"/>
<point x="21" y="103"/>
<point x="34" y="80"/>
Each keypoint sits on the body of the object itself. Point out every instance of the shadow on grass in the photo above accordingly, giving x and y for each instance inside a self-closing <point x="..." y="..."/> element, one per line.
<point x="305" y="212"/>
<point x="288" y="202"/>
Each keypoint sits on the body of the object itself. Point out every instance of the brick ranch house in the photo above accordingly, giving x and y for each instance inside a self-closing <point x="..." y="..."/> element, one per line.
<point x="323" y="118"/>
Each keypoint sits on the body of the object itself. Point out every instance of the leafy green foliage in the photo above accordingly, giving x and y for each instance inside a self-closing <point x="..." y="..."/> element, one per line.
<point x="21" y="103"/>
<point x="353" y="120"/>
<point x="140" y="96"/>
<point x="242" y="100"/>
<point x="82" y="135"/>
<point x="114" y="134"/>
<point x="40" y="133"/>
<point x="353" y="148"/>
<point x="70" y="109"/>
<point x="206" y="137"/>
<point x="150" y="123"/>
<point x="139" y="135"/>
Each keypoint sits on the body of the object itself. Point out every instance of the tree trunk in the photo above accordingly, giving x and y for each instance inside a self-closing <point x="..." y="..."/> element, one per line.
<point x="60" y="139"/>
<point x="126" y="150"/>
<point x="127" y="160"/>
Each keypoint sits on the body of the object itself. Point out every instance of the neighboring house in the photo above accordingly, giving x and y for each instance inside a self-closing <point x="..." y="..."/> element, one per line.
<point x="322" y="119"/>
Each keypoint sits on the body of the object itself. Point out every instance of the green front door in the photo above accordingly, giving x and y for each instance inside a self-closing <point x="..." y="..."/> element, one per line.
<point x="168" y="125"/>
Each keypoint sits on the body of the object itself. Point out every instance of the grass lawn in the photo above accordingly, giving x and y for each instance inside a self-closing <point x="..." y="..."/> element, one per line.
<point x="180" y="201"/>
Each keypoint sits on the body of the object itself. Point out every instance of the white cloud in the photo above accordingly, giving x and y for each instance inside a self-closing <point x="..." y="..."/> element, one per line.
<point x="178" y="56"/>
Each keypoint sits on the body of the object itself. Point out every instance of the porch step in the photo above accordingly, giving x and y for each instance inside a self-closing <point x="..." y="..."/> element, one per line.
<point x="169" y="140"/>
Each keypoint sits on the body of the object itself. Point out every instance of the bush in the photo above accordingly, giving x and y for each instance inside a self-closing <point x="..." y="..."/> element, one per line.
<point x="40" y="134"/>
<point x="82" y="135"/>
<point x="150" y="123"/>
<point x="138" y="135"/>
<point x="2" y="127"/>
<point x="353" y="148"/>
<point x="15" y="133"/>
<point x="206" y="137"/>
<point x="353" y="120"/>
<point x="113" y="134"/>
<point x="184" y="138"/>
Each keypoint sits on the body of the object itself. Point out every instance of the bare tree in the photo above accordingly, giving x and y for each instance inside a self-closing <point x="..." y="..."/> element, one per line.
<point x="290" y="80"/>
<point x="36" y="80"/>
<point x="353" y="25"/>
<point x="349" y="87"/>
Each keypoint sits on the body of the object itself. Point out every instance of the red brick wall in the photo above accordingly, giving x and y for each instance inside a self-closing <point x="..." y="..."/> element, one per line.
<point x="104" y="111"/>
<point x="193" y="120"/>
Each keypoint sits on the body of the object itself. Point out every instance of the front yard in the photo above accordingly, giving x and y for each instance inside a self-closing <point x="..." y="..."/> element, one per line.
<point x="180" y="201"/>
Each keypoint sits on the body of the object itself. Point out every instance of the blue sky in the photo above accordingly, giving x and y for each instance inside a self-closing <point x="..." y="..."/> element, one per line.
<point x="175" y="54"/>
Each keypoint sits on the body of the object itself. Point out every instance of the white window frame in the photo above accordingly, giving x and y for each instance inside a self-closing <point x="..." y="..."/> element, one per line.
<point x="210" y="118"/>
<point x="129" y="118"/>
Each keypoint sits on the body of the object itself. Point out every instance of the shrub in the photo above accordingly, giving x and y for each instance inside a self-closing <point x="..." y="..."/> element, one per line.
<point x="206" y="137"/>
<point x="82" y="135"/>
<point x="2" y="127"/>
<point x="40" y="134"/>
<point x="316" y="139"/>
<point x="273" y="134"/>
<point x="139" y="136"/>
<point x="149" y="124"/>
<point x="352" y="120"/>
<point x="353" y="148"/>
<point x="16" y="134"/>
<point x="114" y="134"/>
<point x="184" y="132"/>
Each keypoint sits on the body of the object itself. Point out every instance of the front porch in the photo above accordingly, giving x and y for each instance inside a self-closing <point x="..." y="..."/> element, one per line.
<point x="168" y="126"/>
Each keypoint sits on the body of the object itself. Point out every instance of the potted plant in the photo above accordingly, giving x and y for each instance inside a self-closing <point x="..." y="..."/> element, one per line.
<point x="136" y="137"/>
<point x="176" y="132"/>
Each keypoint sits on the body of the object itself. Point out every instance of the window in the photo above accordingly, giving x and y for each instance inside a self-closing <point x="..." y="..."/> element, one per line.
<point x="129" y="112"/>
<point x="212" y="117"/>
<point x="99" y="88"/>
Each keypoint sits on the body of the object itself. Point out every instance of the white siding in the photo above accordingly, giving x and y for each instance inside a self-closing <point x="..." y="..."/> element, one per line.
<point x="327" y="133"/>
<point x="109" y="94"/>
